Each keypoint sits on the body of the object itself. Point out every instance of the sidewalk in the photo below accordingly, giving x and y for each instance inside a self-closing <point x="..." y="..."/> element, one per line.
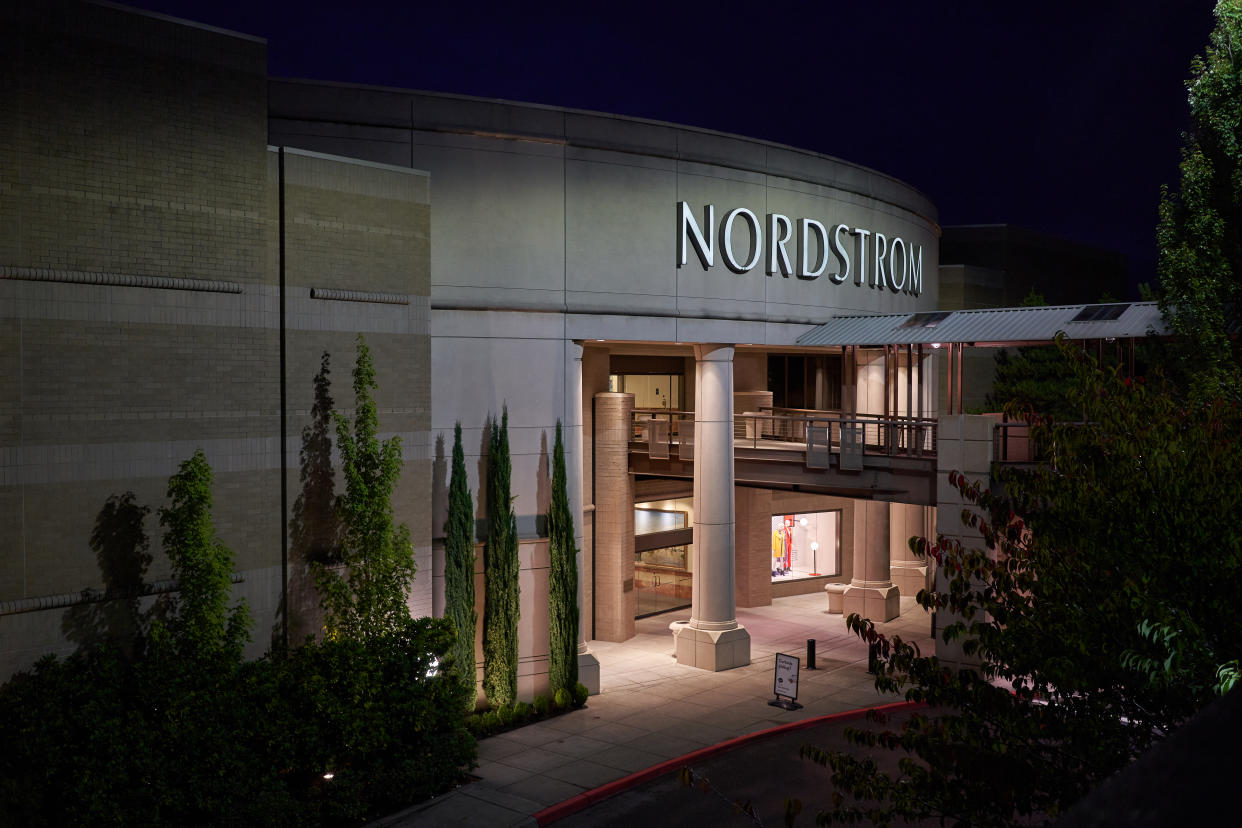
<point x="651" y="709"/>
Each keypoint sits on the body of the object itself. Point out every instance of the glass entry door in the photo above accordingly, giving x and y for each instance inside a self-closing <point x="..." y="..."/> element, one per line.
<point x="661" y="580"/>
<point x="663" y="541"/>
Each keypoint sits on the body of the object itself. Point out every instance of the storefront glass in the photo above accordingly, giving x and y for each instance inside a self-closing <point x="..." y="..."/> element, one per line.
<point x="663" y="531"/>
<point x="806" y="545"/>
<point x="650" y="390"/>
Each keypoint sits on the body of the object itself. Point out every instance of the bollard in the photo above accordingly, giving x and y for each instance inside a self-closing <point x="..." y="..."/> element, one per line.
<point x="810" y="654"/>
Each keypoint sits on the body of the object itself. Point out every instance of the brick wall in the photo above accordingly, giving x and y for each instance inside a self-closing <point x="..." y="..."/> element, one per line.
<point x="140" y="302"/>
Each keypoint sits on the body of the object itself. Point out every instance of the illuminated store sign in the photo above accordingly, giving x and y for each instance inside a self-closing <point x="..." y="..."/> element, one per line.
<point x="870" y="257"/>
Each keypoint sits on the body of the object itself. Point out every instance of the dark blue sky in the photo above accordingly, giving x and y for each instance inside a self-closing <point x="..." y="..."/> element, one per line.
<point x="1061" y="116"/>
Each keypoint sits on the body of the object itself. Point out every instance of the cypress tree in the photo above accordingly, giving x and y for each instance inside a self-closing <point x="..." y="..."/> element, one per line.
<point x="459" y="567"/>
<point x="500" y="563"/>
<point x="562" y="579"/>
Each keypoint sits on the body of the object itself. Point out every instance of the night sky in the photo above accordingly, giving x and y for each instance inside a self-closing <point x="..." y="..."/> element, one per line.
<point x="1061" y="116"/>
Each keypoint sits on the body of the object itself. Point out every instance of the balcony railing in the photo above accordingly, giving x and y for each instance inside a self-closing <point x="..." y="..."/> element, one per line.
<point x="818" y="433"/>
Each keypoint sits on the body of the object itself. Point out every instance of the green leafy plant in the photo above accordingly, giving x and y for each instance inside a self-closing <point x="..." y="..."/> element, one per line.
<point x="183" y="731"/>
<point x="562" y="578"/>
<point x="1086" y="605"/>
<point x="369" y="599"/>
<point x="459" y="568"/>
<point x="501" y="602"/>
<point x="199" y="625"/>
<point x="563" y="699"/>
<point x="580" y="694"/>
<point x="1200" y="231"/>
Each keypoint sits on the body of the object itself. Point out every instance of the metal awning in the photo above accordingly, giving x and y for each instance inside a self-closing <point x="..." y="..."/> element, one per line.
<point x="993" y="326"/>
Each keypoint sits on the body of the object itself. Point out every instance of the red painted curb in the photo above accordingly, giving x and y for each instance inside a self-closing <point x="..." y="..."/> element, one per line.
<point x="586" y="799"/>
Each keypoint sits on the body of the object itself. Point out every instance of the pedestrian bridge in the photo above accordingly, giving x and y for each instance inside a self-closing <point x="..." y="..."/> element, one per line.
<point x="823" y="452"/>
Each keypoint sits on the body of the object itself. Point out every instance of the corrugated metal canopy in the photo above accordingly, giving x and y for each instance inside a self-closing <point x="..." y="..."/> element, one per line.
<point x="992" y="326"/>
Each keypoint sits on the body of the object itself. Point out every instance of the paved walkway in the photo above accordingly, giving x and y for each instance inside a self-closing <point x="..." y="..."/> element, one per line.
<point x="651" y="709"/>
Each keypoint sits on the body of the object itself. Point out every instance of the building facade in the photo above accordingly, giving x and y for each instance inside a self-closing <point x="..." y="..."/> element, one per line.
<point x="183" y="239"/>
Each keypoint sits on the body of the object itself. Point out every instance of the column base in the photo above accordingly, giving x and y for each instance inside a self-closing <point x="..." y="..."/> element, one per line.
<point x="588" y="670"/>
<point x="909" y="577"/>
<point x="876" y="603"/>
<point x="713" y="650"/>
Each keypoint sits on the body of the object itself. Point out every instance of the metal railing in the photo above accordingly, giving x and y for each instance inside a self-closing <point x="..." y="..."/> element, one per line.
<point x="816" y="432"/>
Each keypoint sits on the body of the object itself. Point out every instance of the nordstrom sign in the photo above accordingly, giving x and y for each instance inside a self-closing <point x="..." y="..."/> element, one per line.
<point x="869" y="257"/>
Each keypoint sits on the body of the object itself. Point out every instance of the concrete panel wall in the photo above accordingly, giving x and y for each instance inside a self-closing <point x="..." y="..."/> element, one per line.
<point x="584" y="219"/>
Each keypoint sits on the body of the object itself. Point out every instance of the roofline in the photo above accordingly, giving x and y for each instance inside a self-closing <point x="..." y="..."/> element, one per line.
<point x="181" y="21"/>
<point x="933" y="219"/>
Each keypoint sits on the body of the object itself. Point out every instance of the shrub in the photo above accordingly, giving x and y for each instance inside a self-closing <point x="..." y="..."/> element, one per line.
<point x="96" y="739"/>
<point x="580" y="694"/>
<point x="543" y="705"/>
<point x="522" y="713"/>
<point x="563" y="699"/>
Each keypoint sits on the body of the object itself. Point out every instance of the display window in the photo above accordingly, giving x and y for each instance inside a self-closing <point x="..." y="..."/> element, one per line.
<point x="806" y="545"/>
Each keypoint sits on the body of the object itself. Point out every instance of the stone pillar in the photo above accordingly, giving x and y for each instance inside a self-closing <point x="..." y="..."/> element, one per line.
<point x="964" y="445"/>
<point x="907" y="520"/>
<point x="588" y="664"/>
<point x="871" y="593"/>
<point x="615" y="600"/>
<point x="713" y="640"/>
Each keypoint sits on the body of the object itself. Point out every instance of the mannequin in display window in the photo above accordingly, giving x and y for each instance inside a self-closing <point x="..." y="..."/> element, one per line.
<point x="788" y="562"/>
<point x="778" y="552"/>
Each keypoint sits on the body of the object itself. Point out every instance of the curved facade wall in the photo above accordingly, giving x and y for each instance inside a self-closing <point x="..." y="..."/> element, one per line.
<point x="539" y="208"/>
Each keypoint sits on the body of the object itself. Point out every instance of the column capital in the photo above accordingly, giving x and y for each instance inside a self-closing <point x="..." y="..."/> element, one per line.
<point x="713" y="352"/>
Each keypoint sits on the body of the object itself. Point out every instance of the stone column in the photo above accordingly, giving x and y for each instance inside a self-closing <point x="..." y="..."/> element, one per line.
<point x="713" y="640"/>
<point x="907" y="520"/>
<point x="588" y="664"/>
<point x="871" y="593"/>
<point x="965" y="445"/>
<point x="615" y="600"/>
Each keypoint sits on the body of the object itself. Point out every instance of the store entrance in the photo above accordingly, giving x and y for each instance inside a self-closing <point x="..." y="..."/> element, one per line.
<point x="663" y="555"/>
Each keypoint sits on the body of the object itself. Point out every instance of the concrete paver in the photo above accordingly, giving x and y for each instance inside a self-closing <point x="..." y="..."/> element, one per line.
<point x="651" y="709"/>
